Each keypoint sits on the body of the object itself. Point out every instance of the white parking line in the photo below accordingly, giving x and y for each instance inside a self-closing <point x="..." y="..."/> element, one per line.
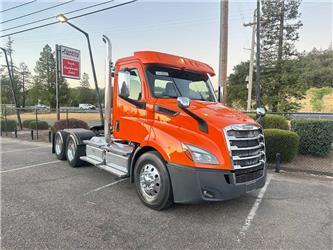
<point x="105" y="186"/>
<point x="30" y="166"/>
<point x="254" y="208"/>
<point x="19" y="150"/>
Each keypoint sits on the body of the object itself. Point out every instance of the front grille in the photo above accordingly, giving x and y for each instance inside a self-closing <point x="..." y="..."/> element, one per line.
<point x="249" y="174"/>
<point x="247" y="148"/>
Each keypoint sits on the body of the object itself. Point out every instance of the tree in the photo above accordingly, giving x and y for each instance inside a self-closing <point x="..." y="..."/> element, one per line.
<point x="84" y="83"/>
<point x="45" y="78"/>
<point x="237" y="91"/>
<point x="24" y="76"/>
<point x="279" y="31"/>
<point x="317" y="68"/>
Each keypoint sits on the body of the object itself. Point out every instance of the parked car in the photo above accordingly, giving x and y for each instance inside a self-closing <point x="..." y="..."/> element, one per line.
<point x="86" y="106"/>
<point x="41" y="107"/>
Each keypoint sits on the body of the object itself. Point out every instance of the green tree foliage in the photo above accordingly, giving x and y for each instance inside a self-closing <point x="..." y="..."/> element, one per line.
<point x="279" y="31"/>
<point x="312" y="69"/>
<point x="237" y="91"/>
<point x="82" y="95"/>
<point x="84" y="83"/>
<point x="317" y="68"/>
<point x="44" y="80"/>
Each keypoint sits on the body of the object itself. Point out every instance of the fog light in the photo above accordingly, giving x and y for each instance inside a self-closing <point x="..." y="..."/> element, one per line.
<point x="208" y="194"/>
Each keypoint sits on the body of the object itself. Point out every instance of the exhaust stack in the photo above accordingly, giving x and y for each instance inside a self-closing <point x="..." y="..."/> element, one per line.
<point x="108" y="89"/>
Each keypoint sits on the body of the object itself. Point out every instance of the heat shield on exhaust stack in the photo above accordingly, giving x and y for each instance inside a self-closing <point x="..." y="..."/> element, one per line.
<point x="108" y="89"/>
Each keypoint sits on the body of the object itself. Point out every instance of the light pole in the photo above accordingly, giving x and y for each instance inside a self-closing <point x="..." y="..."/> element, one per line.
<point x="10" y="74"/>
<point x="62" y="18"/>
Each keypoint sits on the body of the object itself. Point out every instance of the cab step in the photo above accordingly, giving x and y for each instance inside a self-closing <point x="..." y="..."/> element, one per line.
<point x="119" y="171"/>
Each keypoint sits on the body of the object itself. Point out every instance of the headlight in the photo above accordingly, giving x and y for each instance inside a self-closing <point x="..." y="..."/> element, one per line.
<point x="199" y="155"/>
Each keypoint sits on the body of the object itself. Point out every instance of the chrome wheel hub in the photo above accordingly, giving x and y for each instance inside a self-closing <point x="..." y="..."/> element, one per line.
<point x="70" y="150"/>
<point x="58" y="144"/>
<point x="150" y="182"/>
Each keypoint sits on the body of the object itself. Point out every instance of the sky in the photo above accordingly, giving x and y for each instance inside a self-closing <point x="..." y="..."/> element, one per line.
<point x="185" y="28"/>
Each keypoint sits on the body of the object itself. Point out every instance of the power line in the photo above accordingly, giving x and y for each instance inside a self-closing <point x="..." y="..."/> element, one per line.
<point x="86" y="14"/>
<point x="17" y="6"/>
<point x="38" y="11"/>
<point x="49" y="18"/>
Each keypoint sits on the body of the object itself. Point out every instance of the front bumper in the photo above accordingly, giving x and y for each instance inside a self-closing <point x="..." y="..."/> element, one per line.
<point x="194" y="185"/>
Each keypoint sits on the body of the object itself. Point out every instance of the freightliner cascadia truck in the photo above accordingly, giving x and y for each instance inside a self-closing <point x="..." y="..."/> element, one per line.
<point x="165" y="131"/>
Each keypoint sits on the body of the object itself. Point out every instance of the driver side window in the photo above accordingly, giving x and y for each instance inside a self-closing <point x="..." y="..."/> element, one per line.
<point x="135" y="91"/>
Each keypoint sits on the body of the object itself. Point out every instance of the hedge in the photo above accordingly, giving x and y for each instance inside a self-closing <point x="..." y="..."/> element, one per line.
<point x="273" y="121"/>
<point x="70" y="123"/>
<point x="316" y="135"/>
<point x="10" y="126"/>
<point x="26" y="123"/>
<point x="40" y="125"/>
<point x="281" y="141"/>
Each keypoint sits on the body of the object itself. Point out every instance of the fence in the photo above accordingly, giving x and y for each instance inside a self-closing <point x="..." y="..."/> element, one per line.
<point x="37" y="122"/>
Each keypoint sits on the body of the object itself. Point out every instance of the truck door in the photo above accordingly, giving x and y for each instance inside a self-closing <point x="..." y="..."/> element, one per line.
<point x="129" y="113"/>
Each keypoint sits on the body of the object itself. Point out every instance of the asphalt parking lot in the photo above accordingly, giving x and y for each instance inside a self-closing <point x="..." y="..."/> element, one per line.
<point x="47" y="204"/>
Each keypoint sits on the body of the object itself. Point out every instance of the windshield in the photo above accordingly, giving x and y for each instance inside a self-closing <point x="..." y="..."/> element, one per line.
<point x="172" y="83"/>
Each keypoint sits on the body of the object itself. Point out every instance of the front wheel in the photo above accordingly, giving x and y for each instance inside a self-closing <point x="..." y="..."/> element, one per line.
<point x="152" y="181"/>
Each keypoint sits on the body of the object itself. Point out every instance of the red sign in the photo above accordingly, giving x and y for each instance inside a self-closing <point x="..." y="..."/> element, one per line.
<point x="70" y="62"/>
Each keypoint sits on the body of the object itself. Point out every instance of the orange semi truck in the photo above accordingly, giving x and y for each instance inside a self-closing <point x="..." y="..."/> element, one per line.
<point x="165" y="130"/>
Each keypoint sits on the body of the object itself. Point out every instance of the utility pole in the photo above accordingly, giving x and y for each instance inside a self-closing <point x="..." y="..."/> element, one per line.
<point x="10" y="74"/>
<point x="223" y="57"/>
<point x="57" y="81"/>
<point x="250" y="81"/>
<point x="258" y="104"/>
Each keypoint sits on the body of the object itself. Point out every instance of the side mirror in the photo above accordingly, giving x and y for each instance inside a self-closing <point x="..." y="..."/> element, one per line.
<point x="260" y="112"/>
<point x="183" y="102"/>
<point x="124" y="79"/>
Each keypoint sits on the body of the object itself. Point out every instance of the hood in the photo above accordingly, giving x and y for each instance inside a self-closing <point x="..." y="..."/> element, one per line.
<point x="215" y="114"/>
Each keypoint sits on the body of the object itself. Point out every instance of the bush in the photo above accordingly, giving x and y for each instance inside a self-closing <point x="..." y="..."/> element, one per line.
<point x="316" y="135"/>
<point x="9" y="127"/>
<point x="281" y="141"/>
<point x="26" y="123"/>
<point x="40" y="125"/>
<point x="72" y="123"/>
<point x="273" y="121"/>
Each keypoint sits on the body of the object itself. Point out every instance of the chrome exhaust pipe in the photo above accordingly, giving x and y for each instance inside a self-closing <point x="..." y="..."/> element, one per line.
<point x="108" y="89"/>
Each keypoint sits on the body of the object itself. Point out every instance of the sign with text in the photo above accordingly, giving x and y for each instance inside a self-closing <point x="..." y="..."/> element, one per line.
<point x="70" y="60"/>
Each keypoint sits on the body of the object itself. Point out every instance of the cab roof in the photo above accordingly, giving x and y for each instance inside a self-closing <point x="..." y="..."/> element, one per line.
<point x="153" y="57"/>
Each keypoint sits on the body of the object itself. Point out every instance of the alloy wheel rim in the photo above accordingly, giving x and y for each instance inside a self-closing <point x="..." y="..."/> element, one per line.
<point x="58" y="144"/>
<point x="70" y="150"/>
<point x="150" y="182"/>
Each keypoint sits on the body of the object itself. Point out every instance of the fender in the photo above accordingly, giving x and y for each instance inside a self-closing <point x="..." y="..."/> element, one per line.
<point x="80" y="134"/>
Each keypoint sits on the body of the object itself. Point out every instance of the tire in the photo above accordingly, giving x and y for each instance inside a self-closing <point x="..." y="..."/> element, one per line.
<point x="74" y="152"/>
<point x="60" y="140"/>
<point x="152" y="181"/>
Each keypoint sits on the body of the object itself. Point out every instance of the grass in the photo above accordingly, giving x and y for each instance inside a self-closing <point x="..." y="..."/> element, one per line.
<point x="306" y="105"/>
<point x="52" y="116"/>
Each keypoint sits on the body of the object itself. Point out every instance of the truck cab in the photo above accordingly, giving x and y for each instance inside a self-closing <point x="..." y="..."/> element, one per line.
<point x="169" y="135"/>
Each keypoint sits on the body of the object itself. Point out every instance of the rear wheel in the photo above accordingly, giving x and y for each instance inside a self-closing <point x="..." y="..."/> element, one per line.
<point x="60" y="139"/>
<point x="152" y="181"/>
<point x="74" y="152"/>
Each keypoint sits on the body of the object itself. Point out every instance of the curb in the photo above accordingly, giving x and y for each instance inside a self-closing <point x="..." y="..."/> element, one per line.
<point x="308" y="171"/>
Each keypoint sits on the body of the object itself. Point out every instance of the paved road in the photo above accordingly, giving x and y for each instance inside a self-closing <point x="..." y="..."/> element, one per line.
<point x="47" y="204"/>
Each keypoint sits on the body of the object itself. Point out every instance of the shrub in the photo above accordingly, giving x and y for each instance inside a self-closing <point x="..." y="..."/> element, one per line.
<point x="40" y="125"/>
<point x="273" y="121"/>
<point x="72" y="123"/>
<point x="316" y="136"/>
<point x="281" y="141"/>
<point x="26" y="123"/>
<point x="8" y="126"/>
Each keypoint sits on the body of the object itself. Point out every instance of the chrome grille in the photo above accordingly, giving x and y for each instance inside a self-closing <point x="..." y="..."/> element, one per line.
<point x="246" y="145"/>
